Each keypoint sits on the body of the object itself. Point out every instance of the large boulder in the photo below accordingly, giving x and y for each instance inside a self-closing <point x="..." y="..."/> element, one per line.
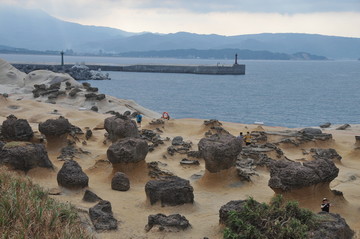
<point x="170" y="191"/>
<point x="174" y="222"/>
<point x="128" y="150"/>
<point x="15" y="129"/>
<point x="120" y="127"/>
<point x="102" y="217"/>
<point x="71" y="176"/>
<point x="219" y="151"/>
<point x="286" y="175"/>
<point x="120" y="182"/>
<point x="332" y="226"/>
<point x="24" y="156"/>
<point x="55" y="127"/>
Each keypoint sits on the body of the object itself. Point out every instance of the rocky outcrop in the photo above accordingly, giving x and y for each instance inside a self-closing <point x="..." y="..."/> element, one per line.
<point x="102" y="217"/>
<point x="153" y="139"/>
<point x="82" y="72"/>
<point x="128" y="150"/>
<point x="286" y="175"/>
<point x="174" y="222"/>
<point x="219" y="151"/>
<point x="343" y="127"/>
<point x="331" y="226"/>
<point x="14" y="129"/>
<point x="235" y="205"/>
<point x="120" y="182"/>
<point x="24" y="156"/>
<point x="90" y="196"/>
<point x="155" y="171"/>
<point x="71" y="176"/>
<point x="325" y="125"/>
<point x="326" y="153"/>
<point x="55" y="127"/>
<point x="120" y="127"/>
<point x="170" y="191"/>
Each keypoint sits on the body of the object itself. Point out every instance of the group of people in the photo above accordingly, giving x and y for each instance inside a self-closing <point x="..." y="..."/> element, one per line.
<point x="246" y="138"/>
<point x="165" y="115"/>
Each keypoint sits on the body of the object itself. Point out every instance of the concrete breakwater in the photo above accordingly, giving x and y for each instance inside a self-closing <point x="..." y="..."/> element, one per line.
<point x="235" y="69"/>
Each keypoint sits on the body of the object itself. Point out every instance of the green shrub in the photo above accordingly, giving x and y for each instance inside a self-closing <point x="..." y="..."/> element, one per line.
<point x="26" y="211"/>
<point x="278" y="220"/>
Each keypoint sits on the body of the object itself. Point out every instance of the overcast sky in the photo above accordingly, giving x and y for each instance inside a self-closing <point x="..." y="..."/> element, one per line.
<point x="224" y="17"/>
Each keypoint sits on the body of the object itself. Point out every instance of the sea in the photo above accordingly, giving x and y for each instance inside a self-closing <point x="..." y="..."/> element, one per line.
<point x="272" y="92"/>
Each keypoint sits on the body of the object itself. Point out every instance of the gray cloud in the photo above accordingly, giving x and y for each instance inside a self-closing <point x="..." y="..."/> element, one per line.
<point x="265" y="6"/>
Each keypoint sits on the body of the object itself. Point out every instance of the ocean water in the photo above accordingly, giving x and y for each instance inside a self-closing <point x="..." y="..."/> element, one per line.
<point x="277" y="93"/>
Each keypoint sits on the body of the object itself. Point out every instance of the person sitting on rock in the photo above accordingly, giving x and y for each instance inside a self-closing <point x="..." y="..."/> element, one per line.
<point x="247" y="138"/>
<point x="325" y="206"/>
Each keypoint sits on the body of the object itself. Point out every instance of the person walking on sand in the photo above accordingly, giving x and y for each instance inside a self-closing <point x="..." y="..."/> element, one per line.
<point x="247" y="138"/>
<point x="325" y="205"/>
<point x="139" y="119"/>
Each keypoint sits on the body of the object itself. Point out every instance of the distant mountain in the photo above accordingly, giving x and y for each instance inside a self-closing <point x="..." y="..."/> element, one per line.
<point x="224" y="54"/>
<point x="35" y="29"/>
<point x="328" y="46"/>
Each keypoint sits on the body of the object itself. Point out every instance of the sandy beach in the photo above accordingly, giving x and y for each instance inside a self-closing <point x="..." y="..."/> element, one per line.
<point x="211" y="190"/>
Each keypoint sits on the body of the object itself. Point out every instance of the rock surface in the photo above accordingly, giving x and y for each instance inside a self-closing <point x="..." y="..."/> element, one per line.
<point x="170" y="191"/>
<point x="120" y="127"/>
<point x="14" y="129"/>
<point x="120" y="182"/>
<point x="71" y="176"/>
<point x="332" y="226"/>
<point x="90" y="196"/>
<point x="55" y="127"/>
<point x="326" y="153"/>
<point x="168" y="223"/>
<point x="24" y="156"/>
<point x="128" y="150"/>
<point x="286" y="175"/>
<point x="102" y="217"/>
<point x="219" y="151"/>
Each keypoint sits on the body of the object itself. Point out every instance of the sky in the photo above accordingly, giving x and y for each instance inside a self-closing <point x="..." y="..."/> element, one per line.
<point x="223" y="17"/>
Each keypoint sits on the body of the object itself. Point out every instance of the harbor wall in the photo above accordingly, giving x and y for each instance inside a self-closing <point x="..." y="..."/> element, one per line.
<point x="235" y="69"/>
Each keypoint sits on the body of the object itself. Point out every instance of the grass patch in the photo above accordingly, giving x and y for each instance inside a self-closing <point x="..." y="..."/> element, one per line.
<point x="279" y="219"/>
<point x="26" y="211"/>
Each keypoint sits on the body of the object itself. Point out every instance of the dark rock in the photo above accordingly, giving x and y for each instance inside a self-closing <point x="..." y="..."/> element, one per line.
<point x="171" y="150"/>
<point x="100" y="97"/>
<point x="92" y="89"/>
<point x="94" y="108"/>
<point x="219" y="151"/>
<point x="90" y="196"/>
<point x="86" y="84"/>
<point x="178" y="140"/>
<point x="155" y="172"/>
<point x="24" y="156"/>
<point x="357" y="139"/>
<point x="14" y="129"/>
<point x="170" y="191"/>
<point x="68" y="152"/>
<point x="88" y="134"/>
<point x="194" y="154"/>
<point x="189" y="162"/>
<point x="331" y="226"/>
<point x="120" y="182"/>
<point x="286" y="175"/>
<point x="326" y="153"/>
<point x="128" y="150"/>
<point x="102" y="217"/>
<point x="157" y="122"/>
<point x="236" y="206"/>
<point x="74" y="92"/>
<point x="127" y="113"/>
<point x="326" y="125"/>
<point x="71" y="176"/>
<point x="168" y="223"/>
<point x="212" y="123"/>
<point x="55" y="127"/>
<point x="119" y="128"/>
<point x="311" y="131"/>
<point x="343" y="127"/>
